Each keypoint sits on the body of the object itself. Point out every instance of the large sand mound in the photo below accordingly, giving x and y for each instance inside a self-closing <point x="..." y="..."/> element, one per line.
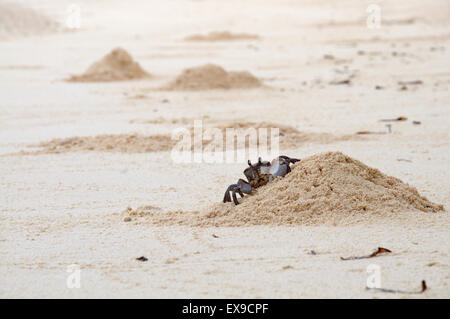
<point x="210" y="76"/>
<point x="16" y="20"/>
<point x="328" y="188"/>
<point x="221" y="36"/>
<point x="118" y="65"/>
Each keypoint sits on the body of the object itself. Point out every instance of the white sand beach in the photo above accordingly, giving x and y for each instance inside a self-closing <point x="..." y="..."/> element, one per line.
<point x="88" y="180"/>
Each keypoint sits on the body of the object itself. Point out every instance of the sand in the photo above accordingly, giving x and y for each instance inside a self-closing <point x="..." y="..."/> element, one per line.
<point x="222" y="36"/>
<point x="125" y="143"/>
<point x="61" y="209"/>
<point x="324" y="189"/>
<point x="211" y="76"/>
<point x="118" y="65"/>
<point x="288" y="138"/>
<point x="19" y="21"/>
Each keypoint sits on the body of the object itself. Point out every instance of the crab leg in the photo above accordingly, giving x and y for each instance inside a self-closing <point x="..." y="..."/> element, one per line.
<point x="233" y="188"/>
<point x="241" y="187"/>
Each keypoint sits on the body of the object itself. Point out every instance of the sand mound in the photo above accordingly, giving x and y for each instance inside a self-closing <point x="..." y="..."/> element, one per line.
<point x="221" y="36"/>
<point x="328" y="188"/>
<point x="16" y="20"/>
<point x="289" y="138"/>
<point x="118" y="65"/>
<point x="124" y="143"/>
<point x="210" y="76"/>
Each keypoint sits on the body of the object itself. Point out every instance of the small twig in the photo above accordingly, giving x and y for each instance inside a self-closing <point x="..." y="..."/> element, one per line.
<point x="424" y="287"/>
<point x="398" y="119"/>
<point x="417" y="82"/>
<point x="389" y="131"/>
<point x="343" y="82"/>
<point x="380" y="250"/>
<point x="370" y="133"/>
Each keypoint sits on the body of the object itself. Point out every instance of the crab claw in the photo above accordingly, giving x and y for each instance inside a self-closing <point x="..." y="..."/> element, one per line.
<point x="280" y="166"/>
<point x="241" y="187"/>
<point x="289" y="160"/>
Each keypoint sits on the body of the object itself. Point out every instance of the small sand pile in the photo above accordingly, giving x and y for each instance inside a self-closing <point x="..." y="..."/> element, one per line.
<point x="210" y="76"/>
<point x="289" y="137"/>
<point x="222" y="36"/>
<point x="118" y="65"/>
<point x="328" y="188"/>
<point x="16" y="20"/>
<point x="124" y="143"/>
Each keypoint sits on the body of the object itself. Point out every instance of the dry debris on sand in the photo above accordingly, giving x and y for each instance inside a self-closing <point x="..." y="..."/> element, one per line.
<point x="210" y="76"/>
<point x="221" y="36"/>
<point x="329" y="188"/>
<point x="379" y="251"/>
<point x="422" y="289"/>
<point x="118" y="65"/>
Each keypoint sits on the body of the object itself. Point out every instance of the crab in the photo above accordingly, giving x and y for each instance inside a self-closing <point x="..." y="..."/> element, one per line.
<point x="259" y="174"/>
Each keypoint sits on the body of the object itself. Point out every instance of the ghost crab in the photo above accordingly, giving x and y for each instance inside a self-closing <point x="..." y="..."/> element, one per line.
<point x="259" y="174"/>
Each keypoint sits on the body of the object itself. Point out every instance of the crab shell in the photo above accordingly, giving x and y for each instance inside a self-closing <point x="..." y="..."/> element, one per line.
<point x="264" y="172"/>
<point x="278" y="167"/>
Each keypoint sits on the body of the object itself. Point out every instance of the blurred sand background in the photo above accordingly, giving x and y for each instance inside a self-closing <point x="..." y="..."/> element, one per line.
<point x="58" y="209"/>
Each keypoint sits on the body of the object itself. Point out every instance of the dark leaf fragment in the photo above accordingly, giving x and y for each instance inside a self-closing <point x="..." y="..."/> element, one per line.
<point x="380" y="250"/>
<point x="142" y="258"/>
